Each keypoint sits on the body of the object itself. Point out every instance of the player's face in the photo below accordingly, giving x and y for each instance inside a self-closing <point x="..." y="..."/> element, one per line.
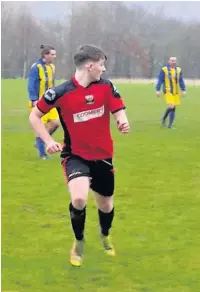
<point x="49" y="58"/>
<point x="172" y="62"/>
<point x="96" y="69"/>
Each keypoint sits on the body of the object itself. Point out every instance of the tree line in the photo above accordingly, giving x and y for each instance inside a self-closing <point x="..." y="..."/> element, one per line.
<point x="137" y="42"/>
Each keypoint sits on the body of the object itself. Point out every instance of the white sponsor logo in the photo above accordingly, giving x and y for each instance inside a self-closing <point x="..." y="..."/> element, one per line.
<point x="88" y="115"/>
<point x="50" y="94"/>
<point x="107" y="162"/>
<point x="74" y="173"/>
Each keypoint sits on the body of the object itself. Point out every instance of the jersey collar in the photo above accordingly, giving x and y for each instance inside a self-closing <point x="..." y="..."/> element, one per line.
<point x="168" y="66"/>
<point x="42" y="61"/>
<point x="79" y="85"/>
<point x="76" y="82"/>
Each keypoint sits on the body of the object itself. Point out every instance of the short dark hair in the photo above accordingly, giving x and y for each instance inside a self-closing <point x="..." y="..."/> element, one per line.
<point x="88" y="53"/>
<point x="45" y="49"/>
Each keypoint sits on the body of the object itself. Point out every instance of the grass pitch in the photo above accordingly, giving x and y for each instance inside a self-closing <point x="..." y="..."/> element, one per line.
<point x="157" y="199"/>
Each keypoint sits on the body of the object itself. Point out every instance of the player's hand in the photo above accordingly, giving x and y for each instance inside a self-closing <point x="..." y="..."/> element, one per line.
<point x="183" y="93"/>
<point x="34" y="103"/>
<point x="53" y="147"/>
<point x="158" y="93"/>
<point x="124" y="128"/>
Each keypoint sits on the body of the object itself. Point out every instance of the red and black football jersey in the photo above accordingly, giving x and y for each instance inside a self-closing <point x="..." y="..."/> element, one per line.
<point x="85" y="116"/>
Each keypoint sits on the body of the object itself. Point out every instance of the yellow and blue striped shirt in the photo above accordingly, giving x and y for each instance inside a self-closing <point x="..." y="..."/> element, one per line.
<point x="41" y="77"/>
<point x="171" y="79"/>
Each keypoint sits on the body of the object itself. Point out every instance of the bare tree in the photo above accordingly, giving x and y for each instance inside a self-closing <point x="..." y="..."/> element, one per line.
<point x="137" y="43"/>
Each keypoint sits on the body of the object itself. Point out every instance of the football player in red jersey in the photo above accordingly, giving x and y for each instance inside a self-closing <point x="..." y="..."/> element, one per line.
<point x="84" y="104"/>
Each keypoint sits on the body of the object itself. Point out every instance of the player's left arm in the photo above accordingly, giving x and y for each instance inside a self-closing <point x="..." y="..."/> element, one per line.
<point x="182" y="83"/>
<point x="117" y="108"/>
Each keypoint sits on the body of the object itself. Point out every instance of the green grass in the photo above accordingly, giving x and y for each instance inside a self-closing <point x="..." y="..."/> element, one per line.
<point x="157" y="199"/>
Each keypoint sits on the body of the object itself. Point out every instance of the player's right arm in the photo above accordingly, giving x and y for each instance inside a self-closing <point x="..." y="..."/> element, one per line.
<point x="39" y="128"/>
<point x="44" y="105"/>
<point x="33" y="85"/>
<point x="160" y="81"/>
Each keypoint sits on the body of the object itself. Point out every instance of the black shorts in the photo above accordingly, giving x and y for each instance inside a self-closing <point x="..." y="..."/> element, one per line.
<point x="101" y="173"/>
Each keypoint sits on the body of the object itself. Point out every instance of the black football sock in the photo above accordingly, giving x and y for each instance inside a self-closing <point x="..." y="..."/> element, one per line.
<point x="105" y="220"/>
<point x="168" y="110"/>
<point x="77" y="221"/>
<point x="171" y="117"/>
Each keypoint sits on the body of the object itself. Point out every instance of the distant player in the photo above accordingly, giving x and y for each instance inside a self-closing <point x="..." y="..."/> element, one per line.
<point x="84" y="104"/>
<point x="171" y="78"/>
<point x="42" y="77"/>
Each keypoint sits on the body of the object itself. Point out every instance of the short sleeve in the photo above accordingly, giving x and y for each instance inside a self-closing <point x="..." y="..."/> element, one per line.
<point x="115" y="101"/>
<point x="51" y="98"/>
<point x="48" y="101"/>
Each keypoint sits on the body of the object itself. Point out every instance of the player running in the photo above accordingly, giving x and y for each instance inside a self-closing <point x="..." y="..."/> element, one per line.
<point x="84" y="104"/>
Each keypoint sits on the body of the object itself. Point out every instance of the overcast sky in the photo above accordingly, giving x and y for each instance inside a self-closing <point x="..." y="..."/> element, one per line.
<point x="185" y="10"/>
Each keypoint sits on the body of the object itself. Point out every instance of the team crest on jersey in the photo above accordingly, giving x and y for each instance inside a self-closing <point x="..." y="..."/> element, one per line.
<point x="89" y="99"/>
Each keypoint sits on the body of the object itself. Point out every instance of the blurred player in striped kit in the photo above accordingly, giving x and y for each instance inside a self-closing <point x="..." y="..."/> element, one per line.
<point x="41" y="78"/>
<point x="171" y="78"/>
